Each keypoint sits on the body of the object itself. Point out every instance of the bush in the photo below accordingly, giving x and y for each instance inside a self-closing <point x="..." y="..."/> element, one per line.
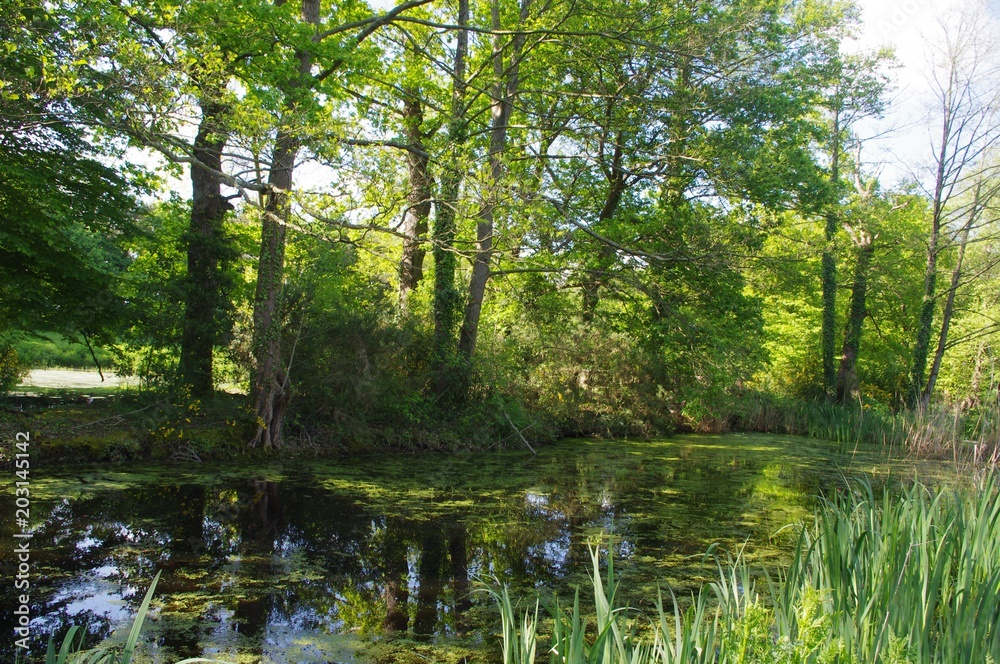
<point x="12" y="369"/>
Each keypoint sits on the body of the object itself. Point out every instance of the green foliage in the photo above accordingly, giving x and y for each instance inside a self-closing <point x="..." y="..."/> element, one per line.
<point x="12" y="368"/>
<point x="652" y="210"/>
<point x="66" y="212"/>
<point x="55" y="350"/>
<point x="890" y="579"/>
<point x="61" y="250"/>
<point x="786" y="280"/>
<point x="154" y="286"/>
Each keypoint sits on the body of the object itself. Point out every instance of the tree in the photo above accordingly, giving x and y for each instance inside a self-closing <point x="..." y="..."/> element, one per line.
<point x="446" y="295"/>
<point x="298" y="87"/>
<point x="860" y="222"/>
<point x="856" y="88"/>
<point x="504" y="89"/>
<point x="975" y="222"/>
<point x="964" y="82"/>
<point x="418" y="198"/>
<point x="672" y="129"/>
<point x="66" y="213"/>
<point x="207" y="296"/>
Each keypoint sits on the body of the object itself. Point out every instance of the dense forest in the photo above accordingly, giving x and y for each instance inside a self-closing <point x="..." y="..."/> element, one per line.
<point x="445" y="224"/>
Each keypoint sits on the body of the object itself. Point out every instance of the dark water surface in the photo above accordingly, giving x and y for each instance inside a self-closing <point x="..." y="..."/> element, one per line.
<point x="307" y="562"/>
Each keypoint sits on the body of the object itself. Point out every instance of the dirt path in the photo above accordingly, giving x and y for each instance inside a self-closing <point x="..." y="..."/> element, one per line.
<point x="69" y="378"/>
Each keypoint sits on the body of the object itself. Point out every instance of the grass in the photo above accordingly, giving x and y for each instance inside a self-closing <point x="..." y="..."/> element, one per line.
<point x="940" y="431"/>
<point x="54" y="350"/>
<point x="913" y="578"/>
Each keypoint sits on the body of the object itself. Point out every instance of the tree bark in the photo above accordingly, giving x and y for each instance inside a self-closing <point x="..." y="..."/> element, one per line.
<point x="446" y="296"/>
<point x="591" y="286"/>
<point x="949" y="308"/>
<point x="926" y="320"/>
<point x="921" y="347"/>
<point x="270" y="387"/>
<point x="504" y="89"/>
<point x="829" y="268"/>
<point x="418" y="200"/>
<point x="847" y="375"/>
<point x="204" y="293"/>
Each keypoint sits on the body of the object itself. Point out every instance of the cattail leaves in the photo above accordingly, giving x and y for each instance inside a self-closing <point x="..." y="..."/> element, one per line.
<point x="900" y="577"/>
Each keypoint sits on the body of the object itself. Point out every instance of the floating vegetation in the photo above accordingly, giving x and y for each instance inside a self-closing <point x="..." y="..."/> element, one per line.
<point x="873" y="579"/>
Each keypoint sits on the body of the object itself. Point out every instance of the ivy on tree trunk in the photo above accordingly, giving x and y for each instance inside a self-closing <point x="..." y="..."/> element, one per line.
<point x="205" y="295"/>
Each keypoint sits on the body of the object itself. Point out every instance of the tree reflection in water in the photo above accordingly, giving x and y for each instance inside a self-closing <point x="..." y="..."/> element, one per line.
<point x="309" y="560"/>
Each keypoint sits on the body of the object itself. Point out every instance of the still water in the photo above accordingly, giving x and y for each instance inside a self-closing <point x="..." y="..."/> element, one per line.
<point x="363" y="559"/>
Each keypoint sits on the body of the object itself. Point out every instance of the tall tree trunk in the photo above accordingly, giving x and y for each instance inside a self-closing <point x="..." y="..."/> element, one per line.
<point x="829" y="267"/>
<point x="926" y="320"/>
<point x="418" y="200"/>
<point x="847" y="375"/>
<point x="949" y="307"/>
<point x="921" y="347"/>
<point x="446" y="296"/>
<point x="204" y="296"/>
<point x="616" y="188"/>
<point x="504" y="90"/>
<point x="270" y="388"/>
<point x="271" y="385"/>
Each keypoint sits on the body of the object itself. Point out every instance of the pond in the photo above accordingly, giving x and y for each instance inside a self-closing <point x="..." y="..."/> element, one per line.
<point x="336" y="560"/>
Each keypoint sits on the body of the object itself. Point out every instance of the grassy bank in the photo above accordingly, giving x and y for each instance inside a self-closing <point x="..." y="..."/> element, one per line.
<point x="938" y="432"/>
<point x="907" y="579"/>
<point x="164" y="423"/>
<point x="74" y="426"/>
<point x="48" y="350"/>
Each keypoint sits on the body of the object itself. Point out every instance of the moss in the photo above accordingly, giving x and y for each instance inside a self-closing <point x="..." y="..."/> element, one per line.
<point x="407" y="651"/>
<point x="112" y="446"/>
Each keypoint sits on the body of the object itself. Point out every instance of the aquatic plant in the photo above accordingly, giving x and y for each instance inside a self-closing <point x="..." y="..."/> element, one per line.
<point x="938" y="431"/>
<point x="72" y="650"/>
<point x="913" y="577"/>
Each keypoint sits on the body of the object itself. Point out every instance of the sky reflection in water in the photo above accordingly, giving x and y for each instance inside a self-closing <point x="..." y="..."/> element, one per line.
<point x="306" y="562"/>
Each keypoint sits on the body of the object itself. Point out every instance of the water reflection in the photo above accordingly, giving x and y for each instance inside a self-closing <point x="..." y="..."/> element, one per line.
<point x="302" y="563"/>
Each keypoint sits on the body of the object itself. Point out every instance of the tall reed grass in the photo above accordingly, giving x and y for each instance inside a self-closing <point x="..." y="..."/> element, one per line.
<point x="939" y="431"/>
<point x="893" y="579"/>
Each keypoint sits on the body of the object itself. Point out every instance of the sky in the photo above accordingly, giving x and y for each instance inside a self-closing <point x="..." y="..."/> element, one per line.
<point x="899" y="146"/>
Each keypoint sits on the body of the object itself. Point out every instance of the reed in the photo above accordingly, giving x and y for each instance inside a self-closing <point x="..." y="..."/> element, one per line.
<point x="895" y="578"/>
<point x="939" y="431"/>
